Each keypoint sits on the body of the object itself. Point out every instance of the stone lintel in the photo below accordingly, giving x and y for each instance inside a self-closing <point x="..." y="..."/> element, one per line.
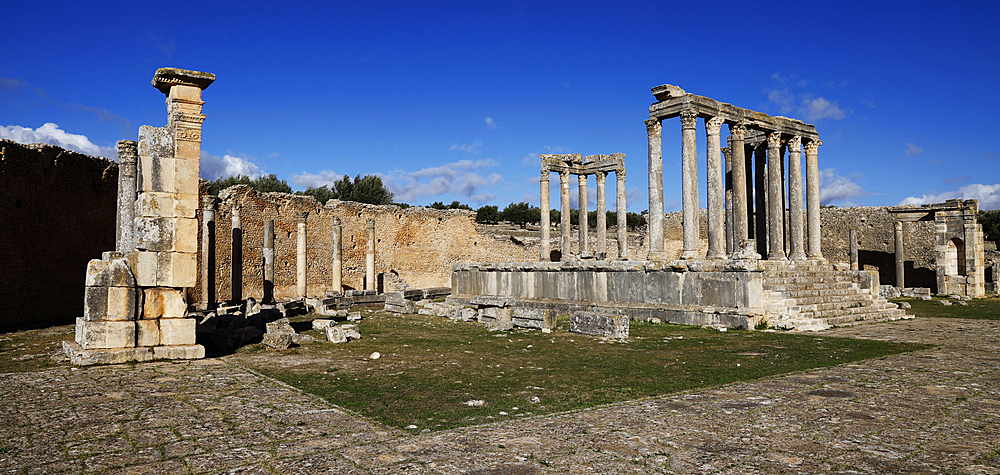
<point x="594" y="163"/>
<point x="165" y="78"/>
<point x="705" y="107"/>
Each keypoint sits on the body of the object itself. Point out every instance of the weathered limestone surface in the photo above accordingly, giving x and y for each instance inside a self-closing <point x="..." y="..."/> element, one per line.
<point x="598" y="324"/>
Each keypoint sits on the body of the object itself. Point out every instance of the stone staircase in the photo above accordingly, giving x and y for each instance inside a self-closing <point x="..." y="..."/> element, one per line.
<point x="813" y="296"/>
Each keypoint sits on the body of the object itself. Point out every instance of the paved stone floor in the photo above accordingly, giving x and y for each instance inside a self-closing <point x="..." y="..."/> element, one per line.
<point x="933" y="411"/>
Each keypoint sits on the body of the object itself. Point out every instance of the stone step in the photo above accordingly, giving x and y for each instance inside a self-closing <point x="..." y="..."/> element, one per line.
<point x="864" y="317"/>
<point x="809" y="286"/>
<point x="805" y="279"/>
<point x="815" y="296"/>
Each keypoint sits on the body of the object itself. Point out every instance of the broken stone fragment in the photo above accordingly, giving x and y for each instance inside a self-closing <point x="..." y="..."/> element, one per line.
<point x="278" y="341"/>
<point x="300" y="339"/>
<point x="351" y="331"/>
<point x="281" y="325"/>
<point x="321" y="324"/>
<point x="335" y="334"/>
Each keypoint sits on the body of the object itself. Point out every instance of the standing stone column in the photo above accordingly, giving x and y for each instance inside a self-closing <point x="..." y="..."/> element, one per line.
<point x="737" y="134"/>
<point x="268" y="261"/>
<point x="689" y="183"/>
<point x="716" y="191"/>
<point x="546" y="245"/>
<point x="584" y="245"/>
<point x="622" y="215"/>
<point x="128" y="158"/>
<point x="900" y="256"/>
<point x="337" y="282"/>
<point x="564" y="223"/>
<point x="208" y="252"/>
<point x="300" y="256"/>
<point x="727" y="158"/>
<point x="236" y="269"/>
<point x="655" y="226"/>
<point x="812" y="198"/>
<point x="370" y="255"/>
<point x="797" y="247"/>
<point x="602" y="216"/>
<point x="775" y="205"/>
<point x="761" y="197"/>
<point x="852" y="236"/>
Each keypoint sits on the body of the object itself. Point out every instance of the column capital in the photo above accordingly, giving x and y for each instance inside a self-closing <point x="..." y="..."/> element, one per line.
<point x="600" y="176"/>
<point x="545" y="174"/>
<point x="208" y="202"/>
<point x="301" y="217"/>
<point x="795" y="143"/>
<point x="620" y="174"/>
<point x="128" y="151"/>
<point x="370" y="223"/>
<point x="653" y="127"/>
<point x="714" y="125"/>
<point x="737" y="131"/>
<point x="335" y="221"/>
<point x="774" y="139"/>
<point x="812" y="146"/>
<point x="689" y="119"/>
<point x="564" y="176"/>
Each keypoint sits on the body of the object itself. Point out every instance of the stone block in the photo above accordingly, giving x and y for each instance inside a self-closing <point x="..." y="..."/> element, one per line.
<point x="280" y="325"/>
<point x="321" y="324"/>
<point x="489" y="314"/>
<point x="163" y="302"/>
<point x="185" y="235"/>
<point x="155" y="204"/>
<point x="147" y="332"/>
<point x="186" y="205"/>
<point x="121" y="303"/>
<point x="83" y="357"/>
<point x="184" y="269"/>
<point x="492" y="301"/>
<point x="335" y="334"/>
<point x="405" y="307"/>
<point x="351" y="331"/>
<point x="177" y="331"/>
<point x="278" y="341"/>
<point x="186" y="172"/>
<point x="534" y="318"/>
<point x="95" y="303"/>
<point x="182" y="352"/>
<point x="591" y="323"/>
<point x="144" y="265"/>
<point x="105" y="334"/>
<point x="300" y="339"/>
<point x="157" y="172"/>
<point x="113" y="273"/>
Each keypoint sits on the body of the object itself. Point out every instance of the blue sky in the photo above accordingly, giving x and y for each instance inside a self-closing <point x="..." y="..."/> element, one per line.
<point x="456" y="100"/>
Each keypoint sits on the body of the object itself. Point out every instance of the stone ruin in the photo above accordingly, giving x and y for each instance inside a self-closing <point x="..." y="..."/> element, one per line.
<point x="959" y="245"/>
<point x="731" y="284"/>
<point x="136" y="296"/>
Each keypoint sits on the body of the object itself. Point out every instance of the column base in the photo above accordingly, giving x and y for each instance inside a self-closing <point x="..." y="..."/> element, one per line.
<point x="718" y="255"/>
<point x="689" y="255"/>
<point x="797" y="257"/>
<point x="777" y="257"/>
<point x="81" y="357"/>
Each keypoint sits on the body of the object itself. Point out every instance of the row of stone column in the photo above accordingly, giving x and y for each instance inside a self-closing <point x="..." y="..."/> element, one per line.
<point x="236" y="268"/>
<point x="584" y="233"/>
<point x="769" y="212"/>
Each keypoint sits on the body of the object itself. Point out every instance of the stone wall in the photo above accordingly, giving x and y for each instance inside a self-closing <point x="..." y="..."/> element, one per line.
<point x="57" y="212"/>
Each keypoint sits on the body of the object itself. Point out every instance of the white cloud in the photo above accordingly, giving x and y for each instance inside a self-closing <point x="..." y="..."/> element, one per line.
<point x="316" y="180"/>
<point x="473" y="148"/>
<point x="213" y="167"/>
<point x="834" y="187"/>
<point x="988" y="196"/>
<point x="820" y="108"/>
<point x="913" y="149"/>
<point x="490" y="123"/>
<point x="462" y="179"/>
<point x="51" y="134"/>
<point x="790" y="99"/>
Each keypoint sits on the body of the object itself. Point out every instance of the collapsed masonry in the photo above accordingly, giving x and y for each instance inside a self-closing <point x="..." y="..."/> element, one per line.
<point x="136" y="300"/>
<point x="730" y="284"/>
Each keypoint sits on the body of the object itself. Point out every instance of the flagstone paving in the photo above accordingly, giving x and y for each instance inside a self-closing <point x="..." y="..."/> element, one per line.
<point x="931" y="411"/>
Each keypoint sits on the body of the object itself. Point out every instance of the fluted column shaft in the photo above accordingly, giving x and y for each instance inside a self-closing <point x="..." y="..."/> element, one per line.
<point x="564" y="223"/>
<point x="900" y="254"/>
<point x="689" y="183"/>
<point x="775" y="204"/>
<point x="655" y="225"/>
<point x="716" y="191"/>
<point x="602" y="215"/>
<point x="737" y="134"/>
<point x="370" y="255"/>
<point x="300" y="256"/>
<point x="337" y="281"/>
<point x="812" y="198"/>
<point x="584" y="245"/>
<point x="796" y="251"/>
<point x="546" y="245"/>
<point x="622" y="215"/>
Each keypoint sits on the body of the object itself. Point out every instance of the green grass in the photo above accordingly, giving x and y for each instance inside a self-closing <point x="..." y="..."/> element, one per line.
<point x="980" y="309"/>
<point x="431" y="366"/>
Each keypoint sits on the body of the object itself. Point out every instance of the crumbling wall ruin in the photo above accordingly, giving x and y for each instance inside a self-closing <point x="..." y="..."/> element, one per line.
<point x="57" y="211"/>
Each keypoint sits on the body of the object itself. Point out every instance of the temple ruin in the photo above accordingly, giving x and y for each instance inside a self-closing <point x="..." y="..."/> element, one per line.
<point x="792" y="286"/>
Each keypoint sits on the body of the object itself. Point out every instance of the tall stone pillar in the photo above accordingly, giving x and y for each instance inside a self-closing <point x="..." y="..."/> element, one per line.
<point x="584" y="245"/>
<point x="655" y="228"/>
<point x="300" y="256"/>
<point x="208" y="252"/>
<point x="689" y="183"/>
<point x="268" y="261"/>
<point x="128" y="157"/>
<point x="370" y="255"/>
<point x="737" y="134"/>
<point x="622" y="215"/>
<point x="602" y="216"/>
<point x="544" y="227"/>
<point x="760" y="197"/>
<point x="727" y="158"/>
<point x="716" y="191"/>
<point x="775" y="205"/>
<point x="797" y="247"/>
<point x="564" y="223"/>
<point x="749" y="171"/>
<point x="852" y="237"/>
<point x="337" y="281"/>
<point x="900" y="254"/>
<point x="236" y="269"/>
<point x="812" y="198"/>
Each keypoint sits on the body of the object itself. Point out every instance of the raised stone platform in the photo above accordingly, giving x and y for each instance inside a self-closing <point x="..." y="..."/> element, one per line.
<point x="81" y="357"/>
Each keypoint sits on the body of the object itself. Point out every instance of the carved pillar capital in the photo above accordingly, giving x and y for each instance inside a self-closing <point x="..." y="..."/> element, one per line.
<point x="335" y="221"/>
<point x="795" y="143"/>
<point x="689" y="119"/>
<point x="714" y="125"/>
<point x="208" y="202"/>
<point x="545" y="174"/>
<point x="737" y="131"/>
<point x="128" y="151"/>
<point x="812" y="146"/>
<point x="774" y="139"/>
<point x="653" y="127"/>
